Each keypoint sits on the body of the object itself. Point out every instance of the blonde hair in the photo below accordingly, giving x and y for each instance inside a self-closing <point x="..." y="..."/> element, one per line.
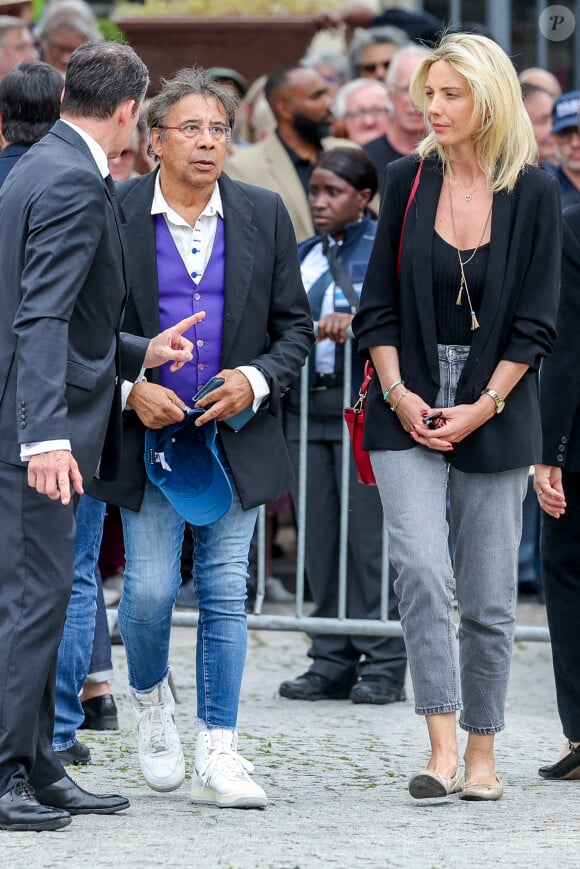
<point x="505" y="143"/>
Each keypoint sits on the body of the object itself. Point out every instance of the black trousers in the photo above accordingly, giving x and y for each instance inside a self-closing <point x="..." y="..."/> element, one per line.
<point x="36" y="571"/>
<point x="561" y="574"/>
<point x="339" y="656"/>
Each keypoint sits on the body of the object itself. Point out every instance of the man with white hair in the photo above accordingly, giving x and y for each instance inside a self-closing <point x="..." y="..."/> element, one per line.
<point x="406" y="124"/>
<point x="16" y="44"/>
<point x="362" y="105"/>
<point x="63" y="26"/>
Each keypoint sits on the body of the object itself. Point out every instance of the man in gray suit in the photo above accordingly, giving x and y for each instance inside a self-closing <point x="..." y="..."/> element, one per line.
<point x="198" y="239"/>
<point x="63" y="292"/>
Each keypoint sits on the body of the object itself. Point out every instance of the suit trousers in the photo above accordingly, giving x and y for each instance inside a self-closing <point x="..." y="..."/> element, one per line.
<point x="342" y="657"/>
<point x="36" y="571"/>
<point x="561" y="574"/>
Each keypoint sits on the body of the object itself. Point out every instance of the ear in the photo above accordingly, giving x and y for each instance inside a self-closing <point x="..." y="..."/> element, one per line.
<point x="364" y="197"/>
<point x="126" y="111"/>
<point x="155" y="141"/>
<point x="282" y="109"/>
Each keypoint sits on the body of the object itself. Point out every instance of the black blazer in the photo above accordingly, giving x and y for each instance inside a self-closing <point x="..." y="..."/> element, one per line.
<point x="267" y="323"/>
<point x="560" y="380"/>
<point x="517" y="317"/>
<point x="64" y="285"/>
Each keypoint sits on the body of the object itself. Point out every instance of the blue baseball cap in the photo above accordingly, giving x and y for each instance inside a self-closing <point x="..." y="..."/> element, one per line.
<point x="183" y="461"/>
<point x="565" y="111"/>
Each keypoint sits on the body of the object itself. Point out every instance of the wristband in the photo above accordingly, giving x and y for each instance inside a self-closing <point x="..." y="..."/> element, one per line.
<point x="391" y="387"/>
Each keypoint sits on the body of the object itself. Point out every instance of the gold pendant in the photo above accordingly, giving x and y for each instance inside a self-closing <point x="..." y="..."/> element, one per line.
<point x="468" y="197"/>
<point x="458" y="301"/>
<point x="474" y="322"/>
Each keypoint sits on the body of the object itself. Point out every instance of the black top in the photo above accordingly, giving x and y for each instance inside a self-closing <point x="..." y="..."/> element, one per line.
<point x="303" y="167"/>
<point x="453" y="321"/>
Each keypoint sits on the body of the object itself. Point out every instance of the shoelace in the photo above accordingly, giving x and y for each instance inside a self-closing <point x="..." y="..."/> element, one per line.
<point x="157" y="723"/>
<point x="230" y="763"/>
<point x="24" y="790"/>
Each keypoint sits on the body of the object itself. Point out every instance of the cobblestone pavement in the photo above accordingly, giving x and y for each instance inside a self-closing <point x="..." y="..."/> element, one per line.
<point x="336" y="776"/>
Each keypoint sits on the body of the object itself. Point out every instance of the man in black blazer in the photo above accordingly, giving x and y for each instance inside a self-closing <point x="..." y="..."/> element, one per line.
<point x="63" y="291"/>
<point x="197" y="239"/>
<point x="557" y="485"/>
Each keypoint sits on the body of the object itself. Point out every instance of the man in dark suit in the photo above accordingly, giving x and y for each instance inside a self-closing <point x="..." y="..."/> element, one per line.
<point x="196" y="239"/>
<point x="29" y="106"/>
<point x="63" y="292"/>
<point x="557" y="485"/>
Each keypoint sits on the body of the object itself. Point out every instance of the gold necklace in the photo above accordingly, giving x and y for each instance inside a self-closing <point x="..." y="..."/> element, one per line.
<point x="462" y="263"/>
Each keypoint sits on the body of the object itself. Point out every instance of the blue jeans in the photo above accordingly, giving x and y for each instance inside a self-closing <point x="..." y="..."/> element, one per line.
<point x="486" y="522"/>
<point x="153" y="540"/>
<point x="76" y="645"/>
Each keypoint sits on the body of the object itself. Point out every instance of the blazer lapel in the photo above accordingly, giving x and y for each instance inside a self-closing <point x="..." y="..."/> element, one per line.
<point x="241" y="243"/>
<point x="285" y="181"/>
<point x="139" y="227"/>
<point x="420" y="235"/>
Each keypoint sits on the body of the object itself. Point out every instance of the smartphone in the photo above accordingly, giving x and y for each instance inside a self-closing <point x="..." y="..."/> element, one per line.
<point x="432" y="418"/>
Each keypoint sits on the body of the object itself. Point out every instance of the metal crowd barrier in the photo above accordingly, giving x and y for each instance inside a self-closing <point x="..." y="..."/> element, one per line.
<point x="259" y="620"/>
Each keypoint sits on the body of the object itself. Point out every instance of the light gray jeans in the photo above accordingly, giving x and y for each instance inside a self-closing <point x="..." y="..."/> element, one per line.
<point x="486" y="523"/>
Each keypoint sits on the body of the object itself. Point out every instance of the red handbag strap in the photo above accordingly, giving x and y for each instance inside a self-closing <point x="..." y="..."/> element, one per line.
<point x="411" y="197"/>
<point x="369" y="370"/>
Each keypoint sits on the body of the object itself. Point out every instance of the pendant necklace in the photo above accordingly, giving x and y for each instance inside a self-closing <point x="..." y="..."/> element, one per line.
<point x="462" y="263"/>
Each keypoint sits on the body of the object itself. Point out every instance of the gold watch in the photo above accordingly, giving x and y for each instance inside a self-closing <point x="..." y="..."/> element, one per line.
<point x="499" y="401"/>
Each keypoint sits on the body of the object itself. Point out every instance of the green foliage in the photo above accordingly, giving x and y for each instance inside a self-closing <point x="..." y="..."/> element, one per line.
<point x="217" y="8"/>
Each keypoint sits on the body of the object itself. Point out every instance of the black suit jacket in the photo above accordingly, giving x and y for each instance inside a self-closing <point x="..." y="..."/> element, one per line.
<point x="9" y="157"/>
<point x="560" y="380"/>
<point x="517" y="316"/>
<point x="63" y="290"/>
<point x="267" y="323"/>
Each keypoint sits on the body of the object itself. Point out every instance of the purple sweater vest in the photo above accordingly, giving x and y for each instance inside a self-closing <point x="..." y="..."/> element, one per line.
<point x="180" y="297"/>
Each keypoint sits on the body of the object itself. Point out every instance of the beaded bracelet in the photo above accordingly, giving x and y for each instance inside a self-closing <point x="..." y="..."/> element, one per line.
<point x="396" y="404"/>
<point x="391" y="387"/>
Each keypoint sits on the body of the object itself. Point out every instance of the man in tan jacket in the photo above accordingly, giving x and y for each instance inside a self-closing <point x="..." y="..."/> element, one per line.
<point x="300" y="101"/>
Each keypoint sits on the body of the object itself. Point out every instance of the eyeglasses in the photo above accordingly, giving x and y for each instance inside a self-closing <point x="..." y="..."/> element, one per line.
<point x="374" y="67"/>
<point x="566" y="134"/>
<point x="195" y="131"/>
<point x="357" y="114"/>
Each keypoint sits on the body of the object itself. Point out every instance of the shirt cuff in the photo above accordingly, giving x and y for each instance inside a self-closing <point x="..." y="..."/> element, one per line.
<point x="33" y="449"/>
<point x="258" y="383"/>
<point x="127" y="386"/>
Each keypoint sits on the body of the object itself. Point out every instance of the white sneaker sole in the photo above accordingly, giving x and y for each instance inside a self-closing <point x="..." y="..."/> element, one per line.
<point x="163" y="784"/>
<point x="227" y="801"/>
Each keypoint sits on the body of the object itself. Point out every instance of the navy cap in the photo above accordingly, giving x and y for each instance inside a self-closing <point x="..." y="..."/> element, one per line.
<point x="183" y="461"/>
<point x="565" y="111"/>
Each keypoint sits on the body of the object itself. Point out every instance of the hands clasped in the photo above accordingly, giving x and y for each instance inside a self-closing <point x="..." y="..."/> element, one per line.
<point x="454" y="425"/>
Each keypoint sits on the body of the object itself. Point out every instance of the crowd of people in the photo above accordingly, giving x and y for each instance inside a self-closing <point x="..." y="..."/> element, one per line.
<point x="164" y="262"/>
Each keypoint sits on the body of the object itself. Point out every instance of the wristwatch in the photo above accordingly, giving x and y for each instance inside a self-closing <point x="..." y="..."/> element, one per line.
<point x="499" y="401"/>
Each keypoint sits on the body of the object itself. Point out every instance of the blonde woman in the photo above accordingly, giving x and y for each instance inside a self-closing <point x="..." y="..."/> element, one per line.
<point x="456" y="325"/>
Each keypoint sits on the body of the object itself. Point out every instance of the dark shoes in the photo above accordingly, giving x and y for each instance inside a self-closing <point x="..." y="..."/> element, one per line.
<point x="568" y="768"/>
<point x="77" y="754"/>
<point x="20" y="810"/>
<point x="312" y="686"/>
<point x="66" y="794"/>
<point x="376" y="689"/>
<point x="100" y="713"/>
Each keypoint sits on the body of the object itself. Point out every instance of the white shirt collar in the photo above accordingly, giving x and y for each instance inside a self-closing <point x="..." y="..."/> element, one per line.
<point x="161" y="206"/>
<point x="96" y="150"/>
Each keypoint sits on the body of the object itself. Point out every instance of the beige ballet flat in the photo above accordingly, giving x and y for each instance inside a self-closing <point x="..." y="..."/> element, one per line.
<point x="428" y="784"/>
<point x="474" y="791"/>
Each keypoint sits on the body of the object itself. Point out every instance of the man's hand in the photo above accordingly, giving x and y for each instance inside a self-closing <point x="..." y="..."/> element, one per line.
<point x="171" y="344"/>
<point x="334" y="326"/>
<point x="235" y="395"/>
<point x="52" y="473"/>
<point x="156" y="406"/>
<point x="548" y="487"/>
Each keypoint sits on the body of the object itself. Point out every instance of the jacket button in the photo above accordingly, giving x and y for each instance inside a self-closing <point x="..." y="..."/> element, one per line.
<point x="22" y="425"/>
<point x="564" y="439"/>
<point x="560" y="458"/>
<point x="561" y="449"/>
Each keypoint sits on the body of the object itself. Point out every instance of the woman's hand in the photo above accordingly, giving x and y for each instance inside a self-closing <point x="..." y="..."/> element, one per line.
<point x="410" y="407"/>
<point x="548" y="488"/>
<point x="455" y="425"/>
<point x="334" y="326"/>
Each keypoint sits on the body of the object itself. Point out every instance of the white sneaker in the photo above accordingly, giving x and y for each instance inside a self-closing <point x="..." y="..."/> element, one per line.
<point x="160" y="752"/>
<point x="276" y="592"/>
<point x="221" y="774"/>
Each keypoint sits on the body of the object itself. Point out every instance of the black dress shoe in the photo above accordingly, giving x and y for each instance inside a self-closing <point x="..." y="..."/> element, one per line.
<point x="66" y="794"/>
<point x="100" y="713"/>
<point x="21" y="811"/>
<point x="312" y="686"/>
<point x="78" y="754"/>
<point x="376" y="689"/>
<point x="568" y="768"/>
